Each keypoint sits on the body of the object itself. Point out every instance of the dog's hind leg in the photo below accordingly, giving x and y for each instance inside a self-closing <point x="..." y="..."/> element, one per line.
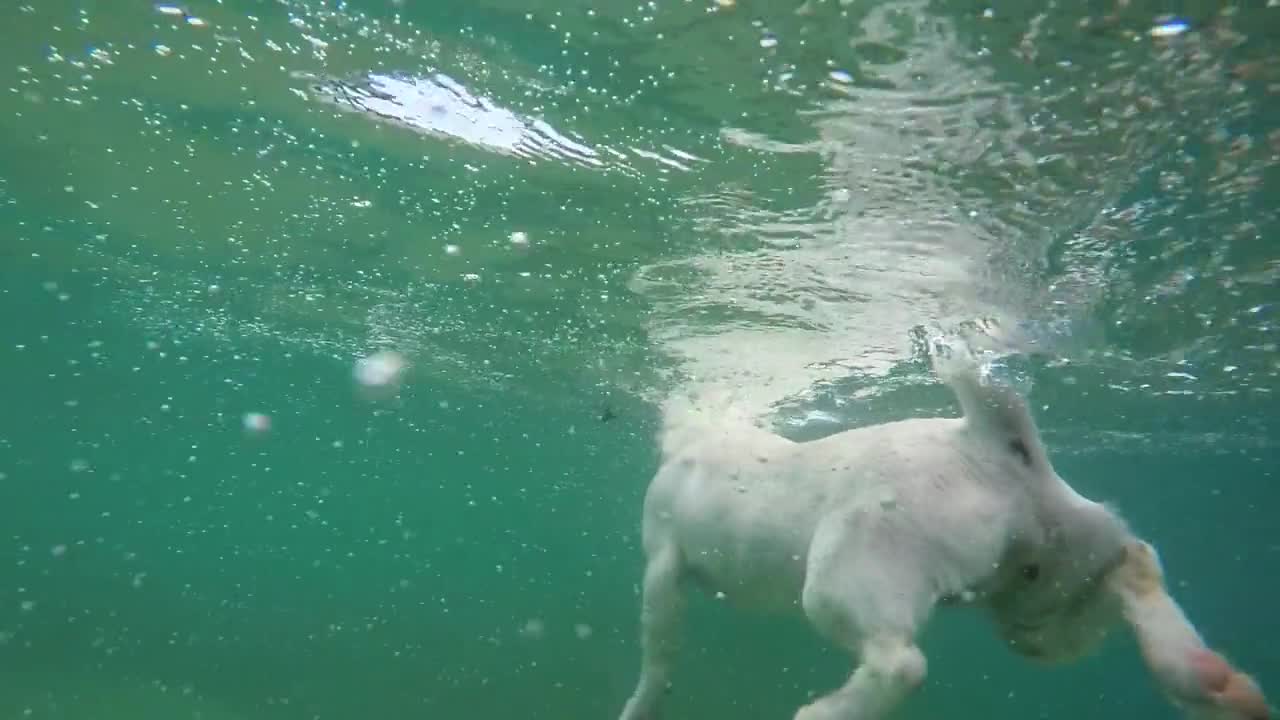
<point x="662" y="608"/>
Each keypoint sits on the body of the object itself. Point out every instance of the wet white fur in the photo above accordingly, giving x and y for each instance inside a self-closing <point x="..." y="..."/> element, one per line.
<point x="866" y="531"/>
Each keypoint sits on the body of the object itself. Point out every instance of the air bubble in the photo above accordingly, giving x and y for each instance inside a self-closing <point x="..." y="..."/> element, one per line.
<point x="1169" y="27"/>
<point x="534" y="629"/>
<point x="256" y="423"/>
<point x="380" y="374"/>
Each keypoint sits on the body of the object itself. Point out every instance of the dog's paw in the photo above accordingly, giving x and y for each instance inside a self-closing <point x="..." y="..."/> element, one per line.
<point x="1225" y="692"/>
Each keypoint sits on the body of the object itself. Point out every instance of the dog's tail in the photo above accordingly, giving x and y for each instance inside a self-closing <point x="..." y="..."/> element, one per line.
<point x="992" y="408"/>
<point x="689" y="418"/>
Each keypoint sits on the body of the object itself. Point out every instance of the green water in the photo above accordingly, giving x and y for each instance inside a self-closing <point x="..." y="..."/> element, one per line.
<point x="781" y="198"/>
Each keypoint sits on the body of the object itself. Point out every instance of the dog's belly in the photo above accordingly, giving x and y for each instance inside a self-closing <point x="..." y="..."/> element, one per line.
<point x="757" y="561"/>
<point x="758" y="572"/>
<point x="744" y="537"/>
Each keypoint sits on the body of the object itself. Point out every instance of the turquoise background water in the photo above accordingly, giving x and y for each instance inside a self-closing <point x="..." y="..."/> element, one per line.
<point x="782" y="198"/>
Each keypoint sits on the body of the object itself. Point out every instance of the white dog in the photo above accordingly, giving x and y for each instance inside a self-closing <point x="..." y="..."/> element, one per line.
<point x="867" y="530"/>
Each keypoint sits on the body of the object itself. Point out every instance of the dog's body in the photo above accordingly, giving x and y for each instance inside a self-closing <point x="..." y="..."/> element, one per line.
<point x="866" y="531"/>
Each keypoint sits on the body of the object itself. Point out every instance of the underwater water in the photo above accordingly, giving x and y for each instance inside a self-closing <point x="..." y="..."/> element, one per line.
<point x="560" y="213"/>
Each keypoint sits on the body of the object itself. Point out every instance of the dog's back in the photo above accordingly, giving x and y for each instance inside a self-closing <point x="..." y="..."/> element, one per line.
<point x="996" y="426"/>
<point x="741" y="501"/>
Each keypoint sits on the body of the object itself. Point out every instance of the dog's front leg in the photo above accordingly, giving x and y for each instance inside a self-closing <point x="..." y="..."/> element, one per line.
<point x="869" y="604"/>
<point x="1188" y="670"/>
<point x="891" y="667"/>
